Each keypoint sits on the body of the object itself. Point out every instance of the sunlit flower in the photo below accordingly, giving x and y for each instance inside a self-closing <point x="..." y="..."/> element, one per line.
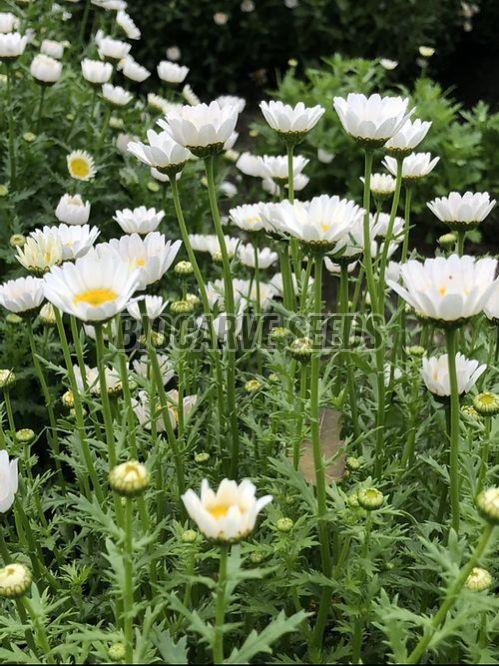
<point x="152" y="255"/>
<point x="380" y="225"/>
<point x="382" y="184"/>
<point x="154" y="307"/>
<point x="9" y="479"/>
<point x="76" y="240"/>
<point x="426" y="51"/>
<point x="448" y="289"/>
<point x="435" y="374"/>
<point x="39" y="254"/>
<point x="24" y="295"/>
<point x="113" y="380"/>
<point x="209" y="243"/>
<point x="127" y="24"/>
<point x="275" y="167"/>
<point x="114" y="49"/>
<point x="414" y="166"/>
<point x="72" y="210"/>
<point x="251" y="165"/>
<point x="408" y="137"/>
<point x="203" y="128"/>
<point x="491" y="307"/>
<point x="52" y="48"/>
<point x="95" y="71"/>
<point x="171" y="72"/>
<point x="190" y="96"/>
<point x="133" y="70"/>
<point x="160" y="103"/>
<point x="371" y="120"/>
<point x="324" y="156"/>
<point x="45" y="69"/>
<point x="140" y="220"/>
<point x="142" y="367"/>
<point x="291" y="121"/>
<point x="229" y="514"/>
<point x="388" y="64"/>
<point x="94" y="288"/>
<point x="110" y="5"/>
<point x="173" y="53"/>
<point x="248" y="217"/>
<point x="232" y="101"/>
<point x="8" y="22"/>
<point x="462" y="211"/>
<point x="81" y="165"/>
<point x="266" y="257"/>
<point x="220" y="18"/>
<point x="161" y="152"/>
<point x="116" y="95"/>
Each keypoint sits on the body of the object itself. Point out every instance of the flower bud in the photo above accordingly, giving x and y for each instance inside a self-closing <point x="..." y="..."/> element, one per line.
<point x="189" y="536"/>
<point x="25" y="435"/>
<point x="116" y="652"/>
<point x="487" y="504"/>
<point x="486" y="404"/>
<point x="470" y="413"/>
<point x="353" y="500"/>
<point x="447" y="240"/>
<point x="353" y="464"/>
<point x="416" y="350"/>
<point x="7" y="379"/>
<point x="181" y="307"/>
<point x="4" y="190"/>
<point x="13" y="319"/>
<point x="252" y="386"/>
<point x="68" y="399"/>
<point x="129" y="479"/>
<point x="202" y="457"/>
<point x="274" y="378"/>
<point x="284" y="525"/>
<point x="193" y="300"/>
<point x="256" y="557"/>
<point x="183" y="268"/>
<point x="301" y="349"/>
<point x="47" y="315"/>
<point x="157" y="339"/>
<point x="17" y="240"/>
<point x="15" y="581"/>
<point x="29" y="137"/>
<point x="279" y="333"/>
<point x="478" y="580"/>
<point x="370" y="498"/>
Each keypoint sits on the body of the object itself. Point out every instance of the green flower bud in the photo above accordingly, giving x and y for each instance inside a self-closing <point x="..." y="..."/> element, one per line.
<point x="183" y="268"/>
<point x="189" y="536"/>
<point x="353" y="464"/>
<point x="181" y="307"/>
<point x="157" y="339"/>
<point x="7" y="379"/>
<point x="29" y="137"/>
<point x="274" y="378"/>
<point x="129" y="479"/>
<point x="353" y="500"/>
<point x="416" y="350"/>
<point x="47" y="315"/>
<point x="487" y="504"/>
<point x="470" y="413"/>
<point x="256" y="557"/>
<point x="284" y="525"/>
<point x="153" y="186"/>
<point x="478" y="580"/>
<point x="279" y="333"/>
<point x="486" y="404"/>
<point x="252" y="386"/>
<point x="447" y="240"/>
<point x="370" y="498"/>
<point x="25" y="435"/>
<point x="4" y="190"/>
<point x="68" y="399"/>
<point x="13" y="319"/>
<point x="116" y="652"/>
<point x="17" y="240"/>
<point x="202" y="457"/>
<point x="15" y="581"/>
<point x="301" y="349"/>
<point x="116" y="123"/>
<point x="193" y="300"/>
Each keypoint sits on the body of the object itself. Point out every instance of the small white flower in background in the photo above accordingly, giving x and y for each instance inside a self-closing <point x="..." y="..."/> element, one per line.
<point x="250" y="165"/>
<point x="248" y="292"/>
<point x="220" y="18"/>
<point x="110" y="325"/>
<point x="300" y="181"/>
<point x="266" y="257"/>
<point x="426" y="51"/>
<point x="116" y="95"/>
<point x="227" y="515"/>
<point x="142" y="367"/>
<point x="388" y="64"/>
<point x="154" y="307"/>
<point x="95" y="71"/>
<point x="163" y="178"/>
<point x="160" y="103"/>
<point x="447" y="289"/>
<point x="491" y="307"/>
<point x="152" y="255"/>
<point x="12" y="45"/>
<point x="408" y="137"/>
<point x="392" y="272"/>
<point x="378" y="247"/>
<point x="40" y="254"/>
<point x="371" y="120"/>
<point x="22" y="295"/>
<point x="209" y="243"/>
<point x="45" y="69"/>
<point x="203" y="128"/>
<point x="248" y="217"/>
<point x="229" y="144"/>
<point x="462" y="211"/>
<point x="170" y="72"/>
<point x="140" y="220"/>
<point x="190" y="96"/>
<point x="161" y="152"/>
<point x="380" y="223"/>
<point x="52" y="48"/>
<point x="291" y="120"/>
<point x="276" y="166"/>
<point x="94" y="288"/>
<point x="414" y="166"/>
<point x="81" y="165"/>
<point x="228" y="189"/>
<point x="291" y="4"/>
<point x="324" y="156"/>
<point x="335" y="269"/>
<point x="9" y="479"/>
<point x="113" y="380"/>
<point x="435" y="374"/>
<point x="8" y="22"/>
<point x="72" y="210"/>
<point x="127" y="24"/>
<point x="133" y="70"/>
<point x="231" y="100"/>
<point x="397" y="374"/>
<point x="247" y="6"/>
<point x="76" y="240"/>
<point x="382" y="184"/>
<point x="277" y="282"/>
<point x="110" y="5"/>
<point x="123" y="141"/>
<point x="173" y="53"/>
<point x="113" y="49"/>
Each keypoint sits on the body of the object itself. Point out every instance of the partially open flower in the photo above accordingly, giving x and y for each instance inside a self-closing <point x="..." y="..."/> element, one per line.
<point x="15" y="581"/>
<point x="486" y="404"/>
<point x="435" y="373"/>
<point x="113" y="49"/>
<point x="382" y="184"/>
<point x="12" y="45"/>
<point x="9" y="479"/>
<point x="170" y="72"/>
<point x="248" y="217"/>
<point x="301" y="349"/>
<point x="96" y="71"/>
<point x="291" y="122"/>
<point x="462" y="212"/>
<point x="46" y="70"/>
<point x="72" y="209"/>
<point x="116" y="95"/>
<point x="229" y="514"/>
<point x="155" y="305"/>
<point x="414" y="166"/>
<point x="52" y="48"/>
<point x="8" y="22"/>
<point x="140" y="220"/>
<point x="133" y="70"/>
<point x="40" y="254"/>
<point x="75" y="240"/>
<point x="479" y="580"/>
<point x="275" y="167"/>
<point x="127" y="24"/>
<point x="488" y="505"/>
<point x="161" y="152"/>
<point x="22" y="296"/>
<point x="129" y="479"/>
<point x="408" y="137"/>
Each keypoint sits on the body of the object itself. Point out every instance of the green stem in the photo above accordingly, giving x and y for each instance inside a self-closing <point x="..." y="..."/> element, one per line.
<point x="103" y="131"/>
<point x="484" y="453"/>
<point x="218" y="641"/>
<point x="41" y="634"/>
<point x="300" y="415"/>
<point x="106" y="406"/>
<point x="407" y="222"/>
<point x="127" y="394"/>
<point x="451" y="334"/>
<point x="10" y="414"/>
<point x="291" y="180"/>
<point x="344" y="310"/>
<point x="12" y="151"/>
<point x="230" y="310"/>
<point x="389" y="233"/>
<point x="40" y="108"/>
<point x="79" y="351"/>
<point x="451" y="596"/>
<point x="128" y="582"/>
<point x="368" y="263"/>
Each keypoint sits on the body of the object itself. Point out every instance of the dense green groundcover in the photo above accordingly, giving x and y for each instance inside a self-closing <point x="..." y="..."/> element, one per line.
<point x="378" y="544"/>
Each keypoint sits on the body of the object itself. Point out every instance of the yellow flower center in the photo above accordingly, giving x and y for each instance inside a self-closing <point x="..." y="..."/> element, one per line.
<point x="140" y="262"/>
<point x="442" y="291"/>
<point x="219" y="510"/>
<point x="325" y="227"/>
<point x="80" y="167"/>
<point x="96" y="297"/>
